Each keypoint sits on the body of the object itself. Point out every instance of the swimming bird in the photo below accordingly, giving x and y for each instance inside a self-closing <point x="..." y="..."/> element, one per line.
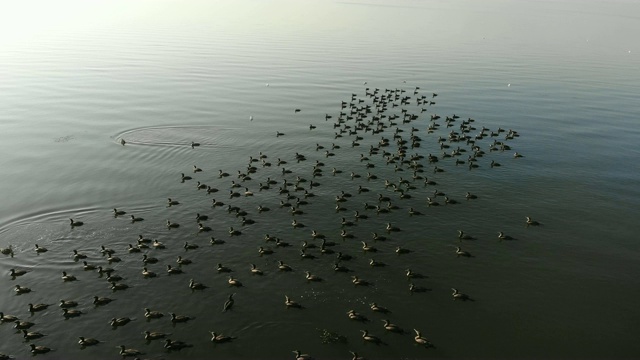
<point x="301" y="356"/>
<point x="459" y="296"/>
<point x="228" y="304"/>
<point x="375" y="307"/>
<point x="421" y="339"/>
<point x="463" y="236"/>
<point x="149" y="314"/>
<point x="75" y="223"/>
<point x="68" y="304"/>
<point x="154" y="335"/>
<point x="173" y="271"/>
<point x="15" y="273"/>
<point x="124" y="352"/>
<point x="290" y="303"/>
<point x="40" y="249"/>
<point x="20" y="325"/>
<point x="149" y="260"/>
<point x="353" y="315"/>
<point x="234" y="282"/>
<point x="233" y="232"/>
<point x="175" y="345"/>
<point x="470" y="196"/>
<point x="359" y="282"/>
<point x="255" y="270"/>
<point x="30" y="335"/>
<point x="220" y="338"/>
<point x="311" y="277"/>
<point x="459" y="252"/>
<point x="87" y="341"/>
<point x="119" y="321"/>
<point x="171" y="202"/>
<point x="502" y="236"/>
<point x="171" y="225"/>
<point x="136" y="219"/>
<point x="37" y="307"/>
<point x="158" y="245"/>
<point x="179" y="318"/>
<point x="7" y="318"/>
<point x="188" y="246"/>
<point x="368" y="248"/>
<point x="99" y="301"/>
<point x="117" y="286"/>
<point x="391" y="327"/>
<point x="182" y="261"/>
<point x="117" y="212"/>
<point x="370" y="338"/>
<point x="196" y="285"/>
<point x="148" y="273"/>
<point x="69" y="313"/>
<point x="283" y="267"/>
<point x="532" y="222"/>
<point x="21" y="289"/>
<point x="39" y="349"/>
<point x="400" y="250"/>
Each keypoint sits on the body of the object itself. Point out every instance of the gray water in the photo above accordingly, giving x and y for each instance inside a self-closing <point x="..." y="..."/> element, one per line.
<point x="78" y="77"/>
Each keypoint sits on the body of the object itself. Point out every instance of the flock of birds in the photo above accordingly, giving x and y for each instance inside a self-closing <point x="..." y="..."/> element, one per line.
<point x="390" y="115"/>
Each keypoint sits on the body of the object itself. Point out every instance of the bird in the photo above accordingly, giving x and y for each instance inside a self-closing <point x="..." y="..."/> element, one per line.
<point x="37" y="307"/>
<point x="136" y="219"/>
<point x="234" y="282"/>
<point x="532" y="222"/>
<point x="311" y="277"/>
<point x="196" y="285"/>
<point x="69" y="313"/>
<point x="8" y="318"/>
<point x="391" y="327"/>
<point x="173" y="271"/>
<point x="30" y="335"/>
<point x="15" y="273"/>
<point x="375" y="307"/>
<point x="359" y="282"/>
<point x="171" y="225"/>
<point x="117" y="212"/>
<point x="301" y="356"/>
<point x="370" y="338"/>
<point x="175" y="345"/>
<point x="463" y="236"/>
<point x="470" y="196"/>
<point x="75" y="223"/>
<point x="220" y="338"/>
<point x="290" y="303"/>
<point x="39" y="349"/>
<point x="40" y="249"/>
<point x="149" y="314"/>
<point x="154" y="335"/>
<point x="87" y="341"/>
<point x="459" y="296"/>
<point x="119" y="321"/>
<point x="182" y="261"/>
<point x="179" y="318"/>
<point x="100" y="301"/>
<point x="502" y="236"/>
<point x="460" y="252"/>
<point x="421" y="340"/>
<point x="353" y="315"/>
<point x="124" y="352"/>
<point x="255" y="270"/>
<point x="21" y="289"/>
<point x="68" y="304"/>
<point x="228" y="304"/>
<point x="283" y="267"/>
<point x="20" y="325"/>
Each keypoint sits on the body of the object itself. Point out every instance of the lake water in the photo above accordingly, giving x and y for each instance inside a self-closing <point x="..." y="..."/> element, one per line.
<point x="78" y="77"/>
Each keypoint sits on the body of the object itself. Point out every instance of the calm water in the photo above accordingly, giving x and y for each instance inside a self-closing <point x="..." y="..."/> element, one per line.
<point x="77" y="77"/>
